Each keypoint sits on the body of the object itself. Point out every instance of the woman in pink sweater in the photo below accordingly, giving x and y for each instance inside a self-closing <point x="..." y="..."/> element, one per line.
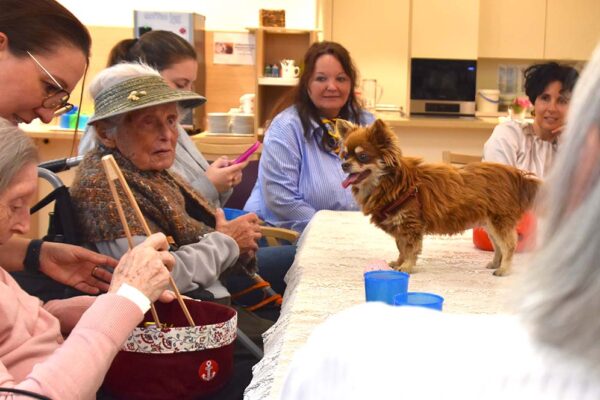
<point x="33" y="354"/>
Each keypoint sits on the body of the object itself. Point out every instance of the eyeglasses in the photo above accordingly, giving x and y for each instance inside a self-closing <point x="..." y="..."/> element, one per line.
<point x="58" y="101"/>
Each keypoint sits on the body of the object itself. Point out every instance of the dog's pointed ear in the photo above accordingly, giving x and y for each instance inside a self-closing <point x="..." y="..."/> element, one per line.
<point x="381" y="134"/>
<point x="386" y="140"/>
<point x="343" y="127"/>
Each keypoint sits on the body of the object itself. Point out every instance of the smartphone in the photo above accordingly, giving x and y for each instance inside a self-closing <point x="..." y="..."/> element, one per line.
<point x="244" y="156"/>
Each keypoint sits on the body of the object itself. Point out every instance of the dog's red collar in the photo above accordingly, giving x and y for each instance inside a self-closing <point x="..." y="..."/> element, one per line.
<point x="398" y="203"/>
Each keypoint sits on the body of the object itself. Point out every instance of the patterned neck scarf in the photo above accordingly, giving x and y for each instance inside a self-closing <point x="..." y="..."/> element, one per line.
<point x="333" y="140"/>
<point x="161" y="196"/>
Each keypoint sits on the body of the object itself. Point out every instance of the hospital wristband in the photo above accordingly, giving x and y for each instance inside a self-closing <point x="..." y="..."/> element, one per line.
<point x="134" y="294"/>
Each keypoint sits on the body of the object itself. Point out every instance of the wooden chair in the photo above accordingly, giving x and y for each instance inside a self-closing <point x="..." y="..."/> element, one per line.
<point x="459" y="159"/>
<point x="213" y="147"/>
<point x="278" y="236"/>
<point x="213" y="151"/>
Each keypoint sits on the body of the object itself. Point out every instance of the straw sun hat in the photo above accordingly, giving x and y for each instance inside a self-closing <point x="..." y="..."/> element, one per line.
<point x="140" y="92"/>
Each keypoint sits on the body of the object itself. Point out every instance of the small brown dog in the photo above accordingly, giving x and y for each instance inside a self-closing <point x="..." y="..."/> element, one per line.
<point x="408" y="198"/>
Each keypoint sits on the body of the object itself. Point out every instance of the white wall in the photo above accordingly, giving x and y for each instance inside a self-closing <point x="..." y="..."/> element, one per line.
<point x="220" y="14"/>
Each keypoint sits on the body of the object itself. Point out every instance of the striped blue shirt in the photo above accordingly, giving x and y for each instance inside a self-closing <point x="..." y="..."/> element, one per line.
<point x="296" y="177"/>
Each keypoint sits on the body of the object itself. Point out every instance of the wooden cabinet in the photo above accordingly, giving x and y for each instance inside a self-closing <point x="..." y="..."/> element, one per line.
<point x="512" y="29"/>
<point x="445" y="29"/>
<point x="572" y="29"/>
<point x="379" y="48"/>
<point x="272" y="46"/>
<point x="538" y="29"/>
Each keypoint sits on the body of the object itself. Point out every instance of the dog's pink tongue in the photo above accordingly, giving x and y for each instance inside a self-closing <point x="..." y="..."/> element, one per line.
<point x="349" y="180"/>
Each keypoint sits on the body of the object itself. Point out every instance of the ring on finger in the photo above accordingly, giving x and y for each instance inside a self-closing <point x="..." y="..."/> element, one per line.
<point x="94" y="271"/>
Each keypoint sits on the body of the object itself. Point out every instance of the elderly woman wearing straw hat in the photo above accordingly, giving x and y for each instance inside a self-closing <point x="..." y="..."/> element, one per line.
<point x="136" y="121"/>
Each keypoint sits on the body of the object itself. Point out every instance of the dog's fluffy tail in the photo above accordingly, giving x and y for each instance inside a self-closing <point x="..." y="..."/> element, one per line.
<point x="530" y="185"/>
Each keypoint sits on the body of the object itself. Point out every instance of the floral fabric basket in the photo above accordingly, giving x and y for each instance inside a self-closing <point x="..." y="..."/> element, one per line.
<point x="178" y="361"/>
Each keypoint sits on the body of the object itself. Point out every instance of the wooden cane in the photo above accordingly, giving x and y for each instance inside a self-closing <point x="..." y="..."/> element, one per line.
<point x="113" y="172"/>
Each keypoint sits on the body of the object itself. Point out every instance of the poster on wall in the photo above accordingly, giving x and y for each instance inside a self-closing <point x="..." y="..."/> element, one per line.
<point x="234" y="48"/>
<point x="176" y="22"/>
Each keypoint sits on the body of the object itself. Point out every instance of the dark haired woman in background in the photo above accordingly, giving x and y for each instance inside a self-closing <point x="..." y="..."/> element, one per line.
<point x="176" y="60"/>
<point x="300" y="171"/>
<point x="532" y="147"/>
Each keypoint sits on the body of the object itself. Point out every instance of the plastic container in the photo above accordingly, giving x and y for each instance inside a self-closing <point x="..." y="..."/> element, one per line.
<point x="420" y="299"/>
<point x="526" y="235"/>
<point x="233" y="213"/>
<point x="384" y="285"/>
<point x="488" y="100"/>
<point x="83" y="120"/>
<point x="67" y="120"/>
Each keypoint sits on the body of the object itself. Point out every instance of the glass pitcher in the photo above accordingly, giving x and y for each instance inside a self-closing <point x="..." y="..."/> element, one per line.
<point x="371" y="93"/>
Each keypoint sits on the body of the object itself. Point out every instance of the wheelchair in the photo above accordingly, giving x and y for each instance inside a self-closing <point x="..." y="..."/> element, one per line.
<point x="62" y="228"/>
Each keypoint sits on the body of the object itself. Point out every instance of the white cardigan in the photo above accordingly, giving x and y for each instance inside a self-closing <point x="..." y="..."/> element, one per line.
<point x="375" y="351"/>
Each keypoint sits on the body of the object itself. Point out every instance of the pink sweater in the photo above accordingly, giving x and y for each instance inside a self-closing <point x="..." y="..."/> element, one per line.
<point x="33" y="355"/>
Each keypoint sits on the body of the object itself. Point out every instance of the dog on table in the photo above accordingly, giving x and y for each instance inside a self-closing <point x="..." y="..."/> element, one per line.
<point x="408" y="198"/>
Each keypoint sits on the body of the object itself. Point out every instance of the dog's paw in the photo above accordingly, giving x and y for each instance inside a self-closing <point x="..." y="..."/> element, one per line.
<point x="404" y="267"/>
<point x="407" y="267"/>
<point x="502" y="272"/>
<point x="493" y="265"/>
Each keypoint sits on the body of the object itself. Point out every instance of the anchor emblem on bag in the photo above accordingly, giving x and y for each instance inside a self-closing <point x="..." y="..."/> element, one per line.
<point x="208" y="370"/>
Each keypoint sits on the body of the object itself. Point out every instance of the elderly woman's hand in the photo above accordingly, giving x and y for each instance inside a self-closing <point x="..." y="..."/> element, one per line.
<point x="225" y="175"/>
<point x="145" y="267"/>
<point x="245" y="230"/>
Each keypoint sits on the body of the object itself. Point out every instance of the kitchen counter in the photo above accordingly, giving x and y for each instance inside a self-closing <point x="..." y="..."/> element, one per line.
<point x="38" y="130"/>
<point x="428" y="137"/>
<point x="395" y="120"/>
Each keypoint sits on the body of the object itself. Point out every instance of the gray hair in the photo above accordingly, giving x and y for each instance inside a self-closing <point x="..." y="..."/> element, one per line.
<point x="560" y="295"/>
<point x="16" y="151"/>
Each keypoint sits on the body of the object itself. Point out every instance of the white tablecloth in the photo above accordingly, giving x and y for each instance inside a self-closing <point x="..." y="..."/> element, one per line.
<point x="327" y="277"/>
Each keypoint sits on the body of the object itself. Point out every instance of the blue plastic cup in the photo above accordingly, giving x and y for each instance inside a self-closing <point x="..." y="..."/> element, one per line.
<point x="384" y="285"/>
<point x="233" y="213"/>
<point x="420" y="299"/>
<point x="83" y="120"/>
<point x="65" y="121"/>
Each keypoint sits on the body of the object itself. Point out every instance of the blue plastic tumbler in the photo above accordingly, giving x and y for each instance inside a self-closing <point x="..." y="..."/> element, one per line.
<point x="420" y="299"/>
<point x="384" y="285"/>
<point x="233" y="213"/>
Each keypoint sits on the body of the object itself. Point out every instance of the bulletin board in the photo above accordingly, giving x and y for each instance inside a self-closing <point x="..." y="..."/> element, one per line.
<point x="225" y="83"/>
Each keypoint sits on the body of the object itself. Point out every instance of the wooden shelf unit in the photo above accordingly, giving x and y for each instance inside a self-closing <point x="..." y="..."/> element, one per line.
<point x="272" y="46"/>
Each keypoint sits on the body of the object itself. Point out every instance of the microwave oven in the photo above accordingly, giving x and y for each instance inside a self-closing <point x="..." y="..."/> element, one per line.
<point x="442" y="87"/>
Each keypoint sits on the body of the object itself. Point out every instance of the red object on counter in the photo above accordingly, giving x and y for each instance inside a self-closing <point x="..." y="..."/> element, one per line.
<point x="526" y="231"/>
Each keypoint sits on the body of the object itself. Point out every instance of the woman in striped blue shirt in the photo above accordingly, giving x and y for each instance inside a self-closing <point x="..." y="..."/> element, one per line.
<point x="300" y="171"/>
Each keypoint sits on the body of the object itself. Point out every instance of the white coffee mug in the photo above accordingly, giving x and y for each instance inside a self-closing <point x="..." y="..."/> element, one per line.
<point x="247" y="103"/>
<point x="289" y="69"/>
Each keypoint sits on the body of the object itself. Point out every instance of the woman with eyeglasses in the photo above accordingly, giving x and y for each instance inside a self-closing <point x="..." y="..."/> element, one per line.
<point x="44" y="52"/>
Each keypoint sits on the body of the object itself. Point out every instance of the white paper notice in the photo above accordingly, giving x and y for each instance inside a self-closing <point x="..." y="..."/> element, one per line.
<point x="234" y="48"/>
